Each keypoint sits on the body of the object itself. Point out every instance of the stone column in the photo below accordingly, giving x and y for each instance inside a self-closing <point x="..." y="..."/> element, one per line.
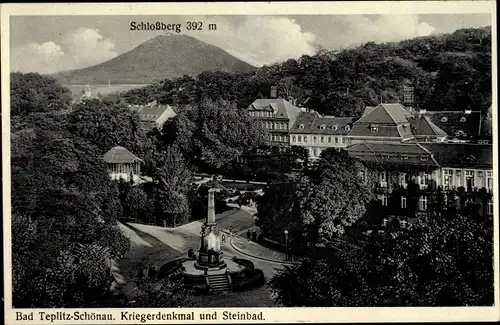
<point x="211" y="207"/>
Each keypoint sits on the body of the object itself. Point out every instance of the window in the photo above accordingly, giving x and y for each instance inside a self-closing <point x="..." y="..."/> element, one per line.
<point x="490" y="207"/>
<point x="322" y="139"/>
<point x="305" y="138"/>
<point x="344" y="140"/>
<point x="336" y="140"/>
<point x="403" y="202"/>
<point x="335" y="127"/>
<point x="404" y="157"/>
<point x="458" y="178"/>
<point x="273" y="138"/>
<point x="315" y="152"/>
<point x="423" y="202"/>
<point x="301" y="126"/>
<point x="383" y="176"/>
<point x="489" y="180"/>
<point x="322" y="126"/>
<point x="315" y="139"/>
<point x="448" y="178"/>
<point x="374" y="129"/>
<point x="424" y="158"/>
<point x="463" y="119"/>
<point x="267" y="125"/>
<point x="444" y="119"/>
<point x="293" y="139"/>
<point x="385" y="222"/>
<point x="347" y="127"/>
<point x="469" y="179"/>
<point x="480" y="179"/>
<point x="299" y="138"/>
<point x="384" y="200"/>
<point x="329" y="139"/>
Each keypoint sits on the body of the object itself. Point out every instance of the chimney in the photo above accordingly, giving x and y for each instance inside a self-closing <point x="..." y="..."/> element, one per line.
<point x="422" y="111"/>
<point x="468" y="111"/>
<point x="274" y="91"/>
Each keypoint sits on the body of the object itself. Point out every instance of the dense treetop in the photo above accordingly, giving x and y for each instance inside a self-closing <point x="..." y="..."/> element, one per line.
<point x="448" y="72"/>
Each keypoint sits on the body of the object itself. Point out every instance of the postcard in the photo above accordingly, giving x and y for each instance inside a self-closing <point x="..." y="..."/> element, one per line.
<point x="263" y="162"/>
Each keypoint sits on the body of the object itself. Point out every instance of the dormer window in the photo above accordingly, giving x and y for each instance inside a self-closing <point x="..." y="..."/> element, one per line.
<point x="335" y="127"/>
<point x="444" y="119"/>
<point x="301" y="126"/>
<point x="374" y="129"/>
<point x="347" y="128"/>
<point x="463" y="119"/>
<point x="322" y="127"/>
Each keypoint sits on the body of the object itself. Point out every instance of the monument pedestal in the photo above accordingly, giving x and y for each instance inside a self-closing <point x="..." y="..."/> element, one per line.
<point x="210" y="260"/>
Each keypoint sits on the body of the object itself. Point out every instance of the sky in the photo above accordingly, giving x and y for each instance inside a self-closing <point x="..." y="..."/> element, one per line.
<point x="48" y="44"/>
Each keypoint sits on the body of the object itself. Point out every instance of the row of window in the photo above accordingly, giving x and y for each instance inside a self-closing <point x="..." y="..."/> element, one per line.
<point x="334" y="127"/>
<point x="423" y="203"/>
<point x="274" y="125"/>
<point x="279" y="138"/>
<point x="322" y="139"/>
<point x="261" y="113"/>
<point x="451" y="177"/>
<point x="471" y="178"/>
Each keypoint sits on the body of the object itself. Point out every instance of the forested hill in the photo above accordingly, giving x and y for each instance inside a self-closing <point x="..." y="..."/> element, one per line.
<point x="164" y="56"/>
<point x="449" y="72"/>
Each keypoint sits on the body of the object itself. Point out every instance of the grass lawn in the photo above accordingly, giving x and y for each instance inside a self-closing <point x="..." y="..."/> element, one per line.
<point x="237" y="218"/>
<point x="145" y="250"/>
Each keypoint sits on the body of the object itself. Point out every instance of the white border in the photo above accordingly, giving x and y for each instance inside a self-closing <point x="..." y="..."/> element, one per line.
<point x="281" y="315"/>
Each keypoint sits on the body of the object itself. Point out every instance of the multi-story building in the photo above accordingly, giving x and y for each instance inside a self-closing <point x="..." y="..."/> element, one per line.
<point x="276" y="116"/>
<point x="463" y="170"/>
<point x="152" y="114"/>
<point x="318" y="132"/>
<point x="385" y="122"/>
<point x="396" y="123"/>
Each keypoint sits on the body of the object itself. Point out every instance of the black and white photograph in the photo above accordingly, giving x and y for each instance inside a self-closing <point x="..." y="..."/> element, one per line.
<point x="163" y="163"/>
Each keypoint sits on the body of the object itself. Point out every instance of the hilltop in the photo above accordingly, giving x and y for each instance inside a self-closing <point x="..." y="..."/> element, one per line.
<point x="164" y="56"/>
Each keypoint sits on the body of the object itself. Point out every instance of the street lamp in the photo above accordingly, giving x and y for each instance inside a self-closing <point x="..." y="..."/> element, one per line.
<point x="286" y="244"/>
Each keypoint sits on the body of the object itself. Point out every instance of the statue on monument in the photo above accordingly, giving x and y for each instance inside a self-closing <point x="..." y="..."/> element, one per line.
<point x="210" y="253"/>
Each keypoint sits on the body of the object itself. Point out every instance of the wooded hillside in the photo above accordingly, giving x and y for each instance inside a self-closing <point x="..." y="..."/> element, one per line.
<point x="448" y="72"/>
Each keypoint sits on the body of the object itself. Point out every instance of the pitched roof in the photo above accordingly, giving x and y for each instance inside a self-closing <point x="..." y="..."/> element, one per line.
<point x="385" y="114"/>
<point x="120" y="155"/>
<point x="422" y="126"/>
<point x="152" y="112"/>
<point x="401" y="131"/>
<point x="452" y="122"/>
<point x="281" y="108"/>
<point x="462" y="155"/>
<point x="385" y="153"/>
<point x="315" y="123"/>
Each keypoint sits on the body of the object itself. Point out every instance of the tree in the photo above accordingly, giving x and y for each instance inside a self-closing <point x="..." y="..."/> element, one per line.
<point x="212" y="133"/>
<point x="437" y="262"/>
<point x="162" y="293"/>
<point x="107" y="125"/>
<point x="279" y="209"/>
<point x="70" y="221"/>
<point x="136" y="202"/>
<point x="334" y="198"/>
<point x="32" y="92"/>
<point x="173" y="180"/>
